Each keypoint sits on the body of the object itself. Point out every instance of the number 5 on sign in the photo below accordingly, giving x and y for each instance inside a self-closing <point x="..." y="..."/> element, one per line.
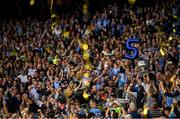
<point x="132" y="48"/>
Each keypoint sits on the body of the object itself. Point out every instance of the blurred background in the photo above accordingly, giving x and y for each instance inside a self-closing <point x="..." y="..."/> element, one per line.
<point x="40" y="8"/>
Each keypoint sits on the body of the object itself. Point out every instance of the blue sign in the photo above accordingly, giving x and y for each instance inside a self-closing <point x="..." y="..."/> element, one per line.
<point x="132" y="48"/>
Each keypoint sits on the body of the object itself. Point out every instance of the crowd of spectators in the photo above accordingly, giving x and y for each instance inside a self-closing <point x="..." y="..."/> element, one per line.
<point x="43" y="73"/>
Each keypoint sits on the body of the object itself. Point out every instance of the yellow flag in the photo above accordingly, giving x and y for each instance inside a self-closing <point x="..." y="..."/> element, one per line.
<point x="85" y="8"/>
<point x="88" y="66"/>
<point x="86" y="55"/>
<point x="162" y="52"/>
<point x="131" y="1"/>
<point x="31" y="2"/>
<point x="85" y="46"/>
<point x="86" y="75"/>
<point x="85" y="95"/>
<point x="66" y="34"/>
<point x="55" y="60"/>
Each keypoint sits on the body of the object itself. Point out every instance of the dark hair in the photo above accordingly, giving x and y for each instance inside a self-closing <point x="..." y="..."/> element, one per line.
<point x="115" y="114"/>
<point x="177" y="113"/>
<point x="43" y="108"/>
<point x="50" y="114"/>
<point x="90" y="115"/>
<point x="82" y="115"/>
<point x="141" y="88"/>
<point x="168" y="109"/>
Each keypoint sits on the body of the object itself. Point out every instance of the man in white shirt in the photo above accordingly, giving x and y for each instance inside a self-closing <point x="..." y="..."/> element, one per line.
<point x="23" y="78"/>
<point x="33" y="90"/>
<point x="57" y="31"/>
<point x="31" y="70"/>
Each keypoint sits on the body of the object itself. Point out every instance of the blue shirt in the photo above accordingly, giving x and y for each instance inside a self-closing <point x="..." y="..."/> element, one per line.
<point x="78" y="49"/>
<point x="169" y="101"/>
<point x="106" y="22"/>
<point x="172" y="115"/>
<point x="135" y="115"/>
<point x="98" y="86"/>
<point x="121" y="29"/>
<point x="161" y="62"/>
<point x="114" y="71"/>
<point x="99" y="23"/>
<point x="122" y="80"/>
<point x="95" y="111"/>
<point x="56" y="85"/>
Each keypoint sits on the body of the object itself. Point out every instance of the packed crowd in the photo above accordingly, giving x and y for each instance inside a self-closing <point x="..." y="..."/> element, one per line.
<point x="43" y="72"/>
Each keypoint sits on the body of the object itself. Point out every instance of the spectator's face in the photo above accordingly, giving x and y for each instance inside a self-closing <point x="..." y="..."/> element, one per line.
<point x="1" y="80"/>
<point x="36" y="74"/>
<point x="115" y="66"/>
<point x="31" y="65"/>
<point x="29" y="78"/>
<point x="48" y="83"/>
<point x="92" y="104"/>
<point x="43" y="98"/>
<point x="51" y="72"/>
<point x="94" y="89"/>
<point x="131" y="86"/>
<point x="1" y="92"/>
<point x="41" y="74"/>
<point x="18" y="96"/>
<point x="14" y="91"/>
<point x="166" y="113"/>
<point x="36" y="84"/>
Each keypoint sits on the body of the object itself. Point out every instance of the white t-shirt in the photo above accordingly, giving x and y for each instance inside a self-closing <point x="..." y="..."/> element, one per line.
<point x="39" y="103"/>
<point x="57" y="31"/>
<point x="31" y="72"/>
<point x="23" y="78"/>
<point x="33" y="91"/>
<point x="146" y="87"/>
